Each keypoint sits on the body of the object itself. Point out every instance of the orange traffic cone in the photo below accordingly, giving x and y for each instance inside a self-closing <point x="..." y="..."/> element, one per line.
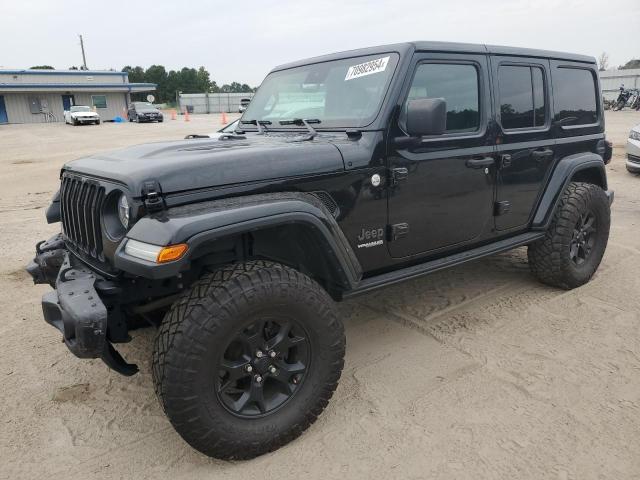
<point x="224" y="118"/>
<point x="124" y="114"/>
<point x="186" y="115"/>
<point x="173" y="114"/>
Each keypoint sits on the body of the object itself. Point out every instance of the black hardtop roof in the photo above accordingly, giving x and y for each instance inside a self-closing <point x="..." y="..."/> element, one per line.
<point x="451" y="47"/>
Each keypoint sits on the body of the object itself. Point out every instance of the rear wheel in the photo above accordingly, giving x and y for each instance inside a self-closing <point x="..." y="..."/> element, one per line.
<point x="247" y="359"/>
<point x="574" y="244"/>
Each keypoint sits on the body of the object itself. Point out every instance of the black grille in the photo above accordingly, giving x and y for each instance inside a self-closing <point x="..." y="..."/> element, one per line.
<point x="80" y="205"/>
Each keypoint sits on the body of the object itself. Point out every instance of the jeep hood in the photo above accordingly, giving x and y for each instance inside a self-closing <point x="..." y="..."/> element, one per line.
<point x="205" y="163"/>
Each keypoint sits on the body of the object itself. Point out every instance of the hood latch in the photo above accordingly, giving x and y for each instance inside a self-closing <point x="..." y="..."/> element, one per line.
<point x="152" y="196"/>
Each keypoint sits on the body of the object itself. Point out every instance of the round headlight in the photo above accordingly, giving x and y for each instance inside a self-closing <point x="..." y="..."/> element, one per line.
<point x="123" y="210"/>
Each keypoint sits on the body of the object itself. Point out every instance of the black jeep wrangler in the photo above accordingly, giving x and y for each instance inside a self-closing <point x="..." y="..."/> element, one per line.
<point x="348" y="172"/>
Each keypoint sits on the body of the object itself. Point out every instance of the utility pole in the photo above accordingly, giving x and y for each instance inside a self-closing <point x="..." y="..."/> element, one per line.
<point x="84" y="59"/>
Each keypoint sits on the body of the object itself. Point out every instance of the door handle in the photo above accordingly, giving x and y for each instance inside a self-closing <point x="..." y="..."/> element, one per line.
<point x="480" y="162"/>
<point x="540" y="155"/>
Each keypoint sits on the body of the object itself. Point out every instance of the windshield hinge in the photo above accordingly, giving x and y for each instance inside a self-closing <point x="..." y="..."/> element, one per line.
<point x="152" y="196"/>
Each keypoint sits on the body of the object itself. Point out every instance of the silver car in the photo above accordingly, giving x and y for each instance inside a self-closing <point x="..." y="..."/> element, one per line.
<point x="633" y="150"/>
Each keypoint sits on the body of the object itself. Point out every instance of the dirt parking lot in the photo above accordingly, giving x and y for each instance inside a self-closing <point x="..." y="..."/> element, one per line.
<point x="476" y="372"/>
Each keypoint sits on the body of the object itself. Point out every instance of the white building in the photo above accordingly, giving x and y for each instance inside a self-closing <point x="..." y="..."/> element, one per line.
<point x="37" y="96"/>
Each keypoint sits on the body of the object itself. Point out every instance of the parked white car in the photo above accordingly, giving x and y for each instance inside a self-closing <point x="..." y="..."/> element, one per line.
<point x="81" y="114"/>
<point x="633" y="150"/>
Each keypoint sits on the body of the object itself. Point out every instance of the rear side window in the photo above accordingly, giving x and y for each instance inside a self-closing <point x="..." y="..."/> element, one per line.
<point x="458" y="85"/>
<point x="574" y="92"/>
<point x="522" y="98"/>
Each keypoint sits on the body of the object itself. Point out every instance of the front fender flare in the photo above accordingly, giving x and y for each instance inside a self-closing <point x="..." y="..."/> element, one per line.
<point x="560" y="178"/>
<point x="209" y="221"/>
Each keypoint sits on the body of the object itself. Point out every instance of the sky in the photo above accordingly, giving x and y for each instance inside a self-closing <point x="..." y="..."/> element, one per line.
<point x="242" y="41"/>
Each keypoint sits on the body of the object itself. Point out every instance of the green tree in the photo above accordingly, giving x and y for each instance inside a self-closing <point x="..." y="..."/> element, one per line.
<point x="136" y="74"/>
<point x="186" y="80"/>
<point x="42" y="67"/>
<point x="158" y="75"/>
<point x="204" y="82"/>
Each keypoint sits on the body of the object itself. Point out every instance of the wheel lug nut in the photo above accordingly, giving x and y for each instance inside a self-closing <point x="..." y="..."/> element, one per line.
<point x="272" y="369"/>
<point x="272" y="354"/>
<point x="248" y="368"/>
<point x="259" y="354"/>
<point x="258" y="378"/>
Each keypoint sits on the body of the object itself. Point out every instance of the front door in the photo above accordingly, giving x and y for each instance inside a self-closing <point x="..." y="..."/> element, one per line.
<point x="525" y="141"/>
<point x="443" y="192"/>
<point x="67" y="102"/>
<point x="3" y="111"/>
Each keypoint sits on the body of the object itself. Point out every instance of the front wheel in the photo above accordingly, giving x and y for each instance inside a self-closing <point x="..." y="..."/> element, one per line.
<point x="571" y="251"/>
<point x="247" y="359"/>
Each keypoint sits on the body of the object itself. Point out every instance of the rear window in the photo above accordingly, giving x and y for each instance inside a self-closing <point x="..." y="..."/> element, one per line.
<point x="522" y="98"/>
<point x="574" y="92"/>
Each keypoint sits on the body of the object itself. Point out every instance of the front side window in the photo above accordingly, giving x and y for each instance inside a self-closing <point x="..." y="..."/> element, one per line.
<point x="345" y="93"/>
<point x="457" y="84"/>
<point x="522" y="98"/>
<point x="574" y="93"/>
<point x="99" y="101"/>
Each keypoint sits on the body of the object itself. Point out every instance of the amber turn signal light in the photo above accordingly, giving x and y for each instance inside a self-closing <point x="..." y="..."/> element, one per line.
<point x="171" y="253"/>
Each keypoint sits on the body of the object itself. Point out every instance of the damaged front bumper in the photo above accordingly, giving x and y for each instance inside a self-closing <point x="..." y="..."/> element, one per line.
<point x="76" y="306"/>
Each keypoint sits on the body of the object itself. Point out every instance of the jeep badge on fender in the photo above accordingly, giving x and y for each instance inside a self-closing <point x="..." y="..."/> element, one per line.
<point x="370" y="238"/>
<point x="379" y="147"/>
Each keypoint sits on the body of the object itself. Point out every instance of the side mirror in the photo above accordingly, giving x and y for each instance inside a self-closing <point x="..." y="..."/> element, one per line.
<point x="426" y="116"/>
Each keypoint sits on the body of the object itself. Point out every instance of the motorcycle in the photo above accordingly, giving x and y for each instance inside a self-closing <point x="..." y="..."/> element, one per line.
<point x="627" y="96"/>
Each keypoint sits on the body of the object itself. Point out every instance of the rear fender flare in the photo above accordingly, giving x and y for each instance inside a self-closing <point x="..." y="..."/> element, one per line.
<point x="566" y="170"/>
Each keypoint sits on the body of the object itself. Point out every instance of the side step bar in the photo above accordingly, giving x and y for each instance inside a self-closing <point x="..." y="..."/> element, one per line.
<point x="415" y="271"/>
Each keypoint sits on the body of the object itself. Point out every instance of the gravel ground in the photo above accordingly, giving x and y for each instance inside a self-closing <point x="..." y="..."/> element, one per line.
<point x="476" y="372"/>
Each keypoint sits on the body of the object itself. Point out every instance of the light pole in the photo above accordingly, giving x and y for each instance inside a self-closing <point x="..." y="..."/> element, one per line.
<point x="178" y="102"/>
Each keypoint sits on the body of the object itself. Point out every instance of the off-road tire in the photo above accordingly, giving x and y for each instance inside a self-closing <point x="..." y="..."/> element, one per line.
<point x="193" y="333"/>
<point x="549" y="257"/>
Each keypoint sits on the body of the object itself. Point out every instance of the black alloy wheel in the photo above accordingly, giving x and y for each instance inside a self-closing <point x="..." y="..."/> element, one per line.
<point x="263" y="367"/>
<point x="584" y="237"/>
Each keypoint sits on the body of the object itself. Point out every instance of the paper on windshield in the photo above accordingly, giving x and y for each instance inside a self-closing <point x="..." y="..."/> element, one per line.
<point x="367" y="68"/>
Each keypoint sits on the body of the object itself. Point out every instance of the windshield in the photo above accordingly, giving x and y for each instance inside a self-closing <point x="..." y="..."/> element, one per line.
<point x="344" y="93"/>
<point x="144" y="105"/>
<point x="80" y="109"/>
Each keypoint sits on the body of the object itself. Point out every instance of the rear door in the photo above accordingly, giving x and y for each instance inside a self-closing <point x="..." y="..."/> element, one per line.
<point x="525" y="143"/>
<point x="443" y="186"/>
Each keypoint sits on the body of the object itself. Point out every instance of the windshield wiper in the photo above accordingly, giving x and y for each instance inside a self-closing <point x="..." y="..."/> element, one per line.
<point x="260" y="124"/>
<point x="303" y="121"/>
